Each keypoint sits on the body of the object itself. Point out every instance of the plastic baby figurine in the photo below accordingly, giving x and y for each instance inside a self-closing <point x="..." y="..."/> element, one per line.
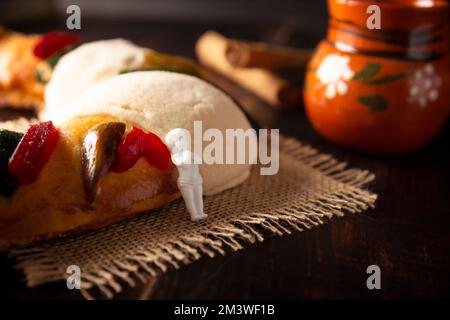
<point x="190" y="181"/>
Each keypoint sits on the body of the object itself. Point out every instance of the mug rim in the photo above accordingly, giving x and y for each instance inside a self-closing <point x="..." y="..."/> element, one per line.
<point x="397" y="4"/>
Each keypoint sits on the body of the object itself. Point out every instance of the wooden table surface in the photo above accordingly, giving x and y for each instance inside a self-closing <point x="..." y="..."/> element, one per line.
<point x="407" y="234"/>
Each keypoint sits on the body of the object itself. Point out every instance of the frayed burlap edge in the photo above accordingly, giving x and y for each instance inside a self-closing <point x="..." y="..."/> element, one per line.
<point x="40" y="264"/>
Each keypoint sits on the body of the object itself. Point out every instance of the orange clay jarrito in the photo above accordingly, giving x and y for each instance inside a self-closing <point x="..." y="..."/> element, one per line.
<point x="382" y="90"/>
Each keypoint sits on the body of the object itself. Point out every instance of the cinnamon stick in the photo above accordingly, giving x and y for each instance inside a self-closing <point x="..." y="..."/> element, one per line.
<point x="276" y="91"/>
<point x="261" y="55"/>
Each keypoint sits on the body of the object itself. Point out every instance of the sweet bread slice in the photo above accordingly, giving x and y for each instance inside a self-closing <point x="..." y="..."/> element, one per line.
<point x="105" y="161"/>
<point x="90" y="172"/>
<point x="43" y="72"/>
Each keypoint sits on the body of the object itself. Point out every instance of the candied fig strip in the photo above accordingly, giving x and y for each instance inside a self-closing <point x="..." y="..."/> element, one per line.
<point x="98" y="154"/>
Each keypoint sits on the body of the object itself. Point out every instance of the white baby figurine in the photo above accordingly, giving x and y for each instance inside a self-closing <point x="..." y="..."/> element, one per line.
<point x="190" y="181"/>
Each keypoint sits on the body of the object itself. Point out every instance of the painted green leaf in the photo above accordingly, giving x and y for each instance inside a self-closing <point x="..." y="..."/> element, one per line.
<point x="374" y="102"/>
<point x="386" y="79"/>
<point x="370" y="70"/>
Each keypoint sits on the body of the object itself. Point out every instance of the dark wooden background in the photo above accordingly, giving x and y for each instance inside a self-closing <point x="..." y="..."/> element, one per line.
<point x="407" y="234"/>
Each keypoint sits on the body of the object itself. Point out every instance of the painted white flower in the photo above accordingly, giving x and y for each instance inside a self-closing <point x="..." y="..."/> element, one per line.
<point x="332" y="72"/>
<point x="424" y="86"/>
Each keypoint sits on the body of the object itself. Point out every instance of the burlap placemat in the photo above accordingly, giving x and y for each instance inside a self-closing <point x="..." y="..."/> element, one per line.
<point x="309" y="189"/>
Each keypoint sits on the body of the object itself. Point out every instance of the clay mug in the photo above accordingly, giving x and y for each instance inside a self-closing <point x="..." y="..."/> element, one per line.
<point x="381" y="90"/>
